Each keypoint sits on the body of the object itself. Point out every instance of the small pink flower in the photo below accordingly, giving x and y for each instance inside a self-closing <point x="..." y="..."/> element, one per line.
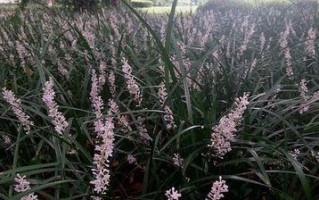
<point x="114" y="112"/>
<point x="248" y="34"/>
<point x="178" y="160"/>
<point x="216" y="56"/>
<point x="22" y="53"/>
<point x="6" y="140"/>
<point x="310" y="43"/>
<point x="113" y="21"/>
<point x="217" y="190"/>
<point x="111" y="81"/>
<point x="249" y="70"/>
<point x="295" y="153"/>
<point x="306" y="98"/>
<point x="303" y="90"/>
<point x="96" y="100"/>
<point x="22" y="185"/>
<point x="131" y="159"/>
<point x="89" y="36"/>
<point x="31" y="196"/>
<point x="173" y="194"/>
<point x="142" y="130"/>
<point x="96" y="198"/>
<point x="63" y="71"/>
<point x="283" y="41"/>
<point x="262" y="40"/>
<point x="287" y="56"/>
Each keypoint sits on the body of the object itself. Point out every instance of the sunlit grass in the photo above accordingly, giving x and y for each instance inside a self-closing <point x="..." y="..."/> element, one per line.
<point x="7" y="6"/>
<point x="258" y="2"/>
<point x="167" y="9"/>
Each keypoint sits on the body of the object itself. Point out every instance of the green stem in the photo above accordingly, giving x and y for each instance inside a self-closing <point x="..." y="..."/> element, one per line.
<point x="15" y="158"/>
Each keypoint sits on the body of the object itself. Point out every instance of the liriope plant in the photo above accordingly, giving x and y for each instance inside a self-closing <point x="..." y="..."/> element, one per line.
<point x="119" y="104"/>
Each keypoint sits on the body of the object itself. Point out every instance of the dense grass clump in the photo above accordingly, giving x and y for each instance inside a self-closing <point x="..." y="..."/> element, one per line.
<point x="119" y="105"/>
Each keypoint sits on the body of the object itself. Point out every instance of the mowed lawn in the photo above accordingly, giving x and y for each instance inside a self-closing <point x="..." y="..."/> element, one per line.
<point x="192" y="8"/>
<point x="258" y="2"/>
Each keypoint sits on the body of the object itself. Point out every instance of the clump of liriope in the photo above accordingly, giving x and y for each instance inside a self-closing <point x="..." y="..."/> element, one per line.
<point x="138" y="110"/>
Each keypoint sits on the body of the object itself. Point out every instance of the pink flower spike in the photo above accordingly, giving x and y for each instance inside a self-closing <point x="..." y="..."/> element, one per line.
<point x="131" y="83"/>
<point x="104" y="142"/>
<point x="168" y="114"/>
<point x="16" y="107"/>
<point x="58" y="120"/>
<point x="224" y="132"/>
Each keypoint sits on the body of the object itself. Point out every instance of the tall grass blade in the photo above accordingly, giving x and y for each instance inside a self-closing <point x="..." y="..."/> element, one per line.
<point x="164" y="53"/>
